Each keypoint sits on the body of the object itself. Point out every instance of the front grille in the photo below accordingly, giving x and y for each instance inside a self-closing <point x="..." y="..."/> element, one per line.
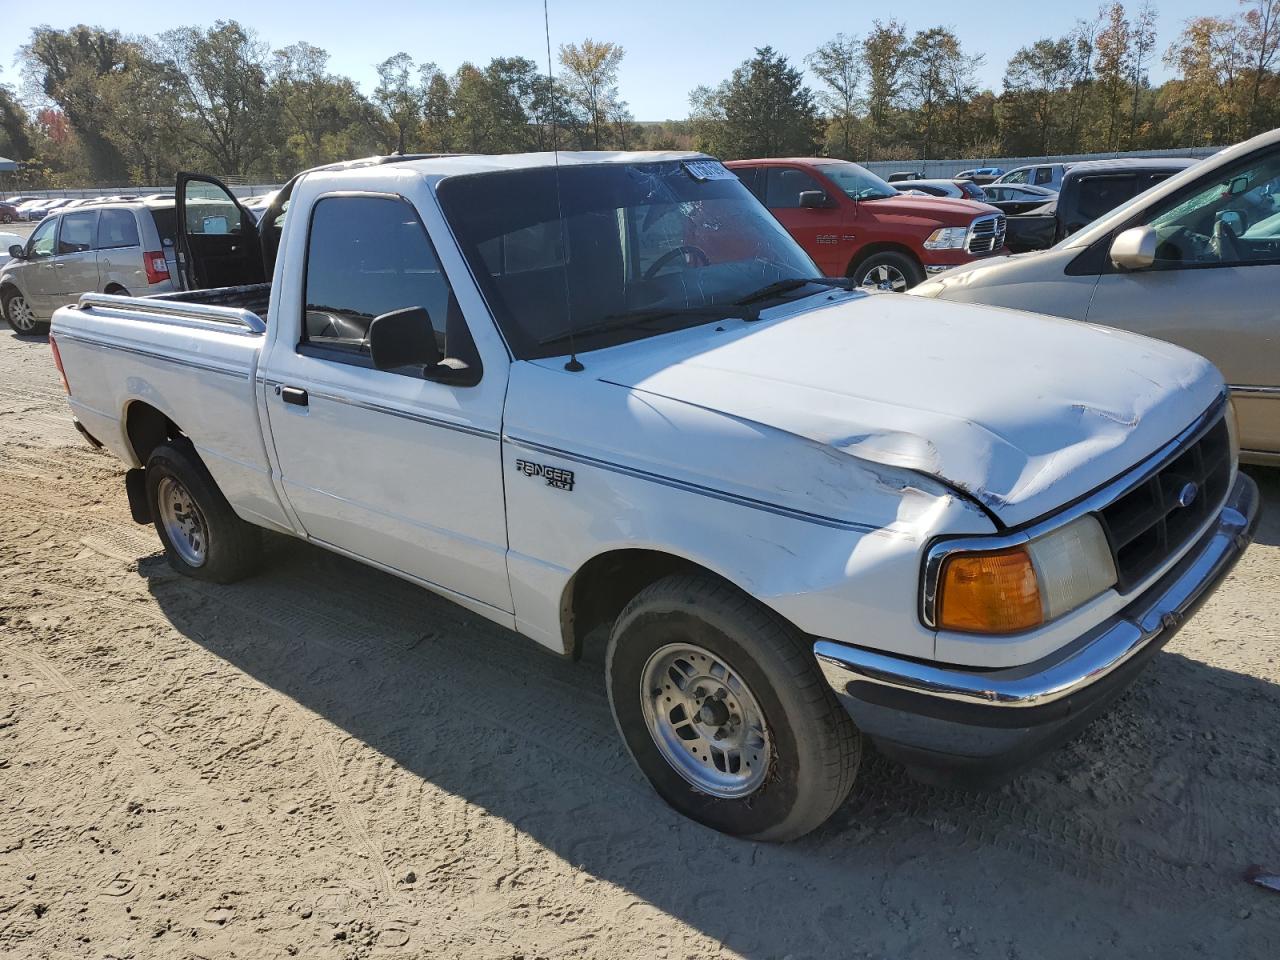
<point x="1148" y="524"/>
<point x="986" y="235"/>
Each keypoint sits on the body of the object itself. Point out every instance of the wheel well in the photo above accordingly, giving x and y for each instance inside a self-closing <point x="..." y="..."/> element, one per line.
<point x="596" y="594"/>
<point x="147" y="428"/>
<point x="871" y="249"/>
<point x="5" y="288"/>
<point x="115" y="288"/>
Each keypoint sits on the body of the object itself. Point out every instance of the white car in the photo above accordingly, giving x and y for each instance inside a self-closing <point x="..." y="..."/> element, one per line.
<point x="8" y="240"/>
<point x="609" y="390"/>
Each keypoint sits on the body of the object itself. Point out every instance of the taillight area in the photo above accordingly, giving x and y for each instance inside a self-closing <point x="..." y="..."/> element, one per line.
<point x="156" y="266"/>
<point x="57" y="362"/>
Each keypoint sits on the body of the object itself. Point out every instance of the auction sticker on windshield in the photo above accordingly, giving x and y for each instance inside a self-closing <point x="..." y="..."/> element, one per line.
<point x="707" y="170"/>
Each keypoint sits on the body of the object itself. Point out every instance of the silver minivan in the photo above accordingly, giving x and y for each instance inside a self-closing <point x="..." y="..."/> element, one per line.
<point x="1195" y="260"/>
<point x="124" y="248"/>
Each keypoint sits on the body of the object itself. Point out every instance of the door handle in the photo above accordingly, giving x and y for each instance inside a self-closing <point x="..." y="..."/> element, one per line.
<point x="295" y="395"/>
<point x="59" y="266"/>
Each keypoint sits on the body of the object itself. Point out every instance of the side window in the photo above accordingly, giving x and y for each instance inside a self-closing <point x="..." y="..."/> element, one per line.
<point x="1017" y="176"/>
<point x="209" y="211"/>
<point x="1044" y="175"/>
<point x="76" y="233"/>
<point x="1099" y="195"/>
<point x="537" y="247"/>
<point x="783" y="186"/>
<point x="367" y="256"/>
<point x="750" y="177"/>
<point x="117" y="228"/>
<point x="1229" y="217"/>
<point x="43" y="240"/>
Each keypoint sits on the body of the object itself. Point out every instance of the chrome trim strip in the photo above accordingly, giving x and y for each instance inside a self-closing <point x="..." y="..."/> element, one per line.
<point x="941" y="548"/>
<point x="152" y="355"/>
<point x="690" y="487"/>
<point x="396" y="412"/>
<point x="1245" y="390"/>
<point x="195" y="314"/>
<point x="1139" y="625"/>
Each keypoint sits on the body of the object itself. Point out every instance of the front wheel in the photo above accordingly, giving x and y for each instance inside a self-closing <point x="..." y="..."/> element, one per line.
<point x="19" y="315"/>
<point x="888" y="271"/>
<point x="724" y="710"/>
<point x="202" y="536"/>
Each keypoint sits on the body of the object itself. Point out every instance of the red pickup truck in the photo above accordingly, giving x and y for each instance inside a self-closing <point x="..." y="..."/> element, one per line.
<point x="855" y="225"/>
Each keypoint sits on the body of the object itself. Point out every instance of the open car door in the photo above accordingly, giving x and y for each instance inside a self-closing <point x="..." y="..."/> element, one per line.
<point x="218" y="244"/>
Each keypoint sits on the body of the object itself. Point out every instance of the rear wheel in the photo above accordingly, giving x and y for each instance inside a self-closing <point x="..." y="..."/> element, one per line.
<point x="888" y="271"/>
<point x="202" y="536"/>
<point x="19" y="315"/>
<point x="723" y="708"/>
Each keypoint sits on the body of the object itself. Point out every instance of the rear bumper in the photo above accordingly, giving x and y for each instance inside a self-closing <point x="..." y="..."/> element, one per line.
<point x="987" y="723"/>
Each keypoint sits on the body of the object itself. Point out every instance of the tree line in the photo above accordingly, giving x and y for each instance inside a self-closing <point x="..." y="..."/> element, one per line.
<point x="97" y="106"/>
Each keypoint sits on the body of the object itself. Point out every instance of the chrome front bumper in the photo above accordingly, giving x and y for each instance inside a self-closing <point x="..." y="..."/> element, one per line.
<point x="934" y="716"/>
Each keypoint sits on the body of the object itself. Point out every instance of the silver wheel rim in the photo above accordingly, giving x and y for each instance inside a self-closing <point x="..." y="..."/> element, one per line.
<point x="20" y="314"/>
<point x="183" y="522"/>
<point x="705" y="720"/>
<point x="884" y="276"/>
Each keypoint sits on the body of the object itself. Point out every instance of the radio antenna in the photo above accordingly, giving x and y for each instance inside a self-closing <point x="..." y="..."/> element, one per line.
<point x="573" y="365"/>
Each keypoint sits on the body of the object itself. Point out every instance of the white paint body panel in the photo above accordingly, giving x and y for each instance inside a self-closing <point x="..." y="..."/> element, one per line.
<point x="809" y="457"/>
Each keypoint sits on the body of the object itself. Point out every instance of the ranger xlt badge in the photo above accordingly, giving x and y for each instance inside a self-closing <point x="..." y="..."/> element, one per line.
<point x="555" y="476"/>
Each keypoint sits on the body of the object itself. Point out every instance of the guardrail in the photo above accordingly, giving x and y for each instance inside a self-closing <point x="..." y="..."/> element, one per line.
<point x="946" y="169"/>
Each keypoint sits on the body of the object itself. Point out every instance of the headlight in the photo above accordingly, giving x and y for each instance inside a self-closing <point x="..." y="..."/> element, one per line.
<point x="947" y="238"/>
<point x="1004" y="591"/>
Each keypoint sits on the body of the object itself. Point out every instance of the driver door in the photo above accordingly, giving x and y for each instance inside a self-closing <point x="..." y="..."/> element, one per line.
<point x="1213" y="287"/>
<point x="37" y="273"/>
<point x="817" y="229"/>
<point x="218" y="243"/>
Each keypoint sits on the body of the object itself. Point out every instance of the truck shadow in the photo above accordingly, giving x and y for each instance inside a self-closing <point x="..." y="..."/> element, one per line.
<point x="1268" y="480"/>
<point x="1140" y="827"/>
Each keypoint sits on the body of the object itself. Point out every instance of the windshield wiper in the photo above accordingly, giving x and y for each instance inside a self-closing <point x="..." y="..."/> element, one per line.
<point x="637" y="318"/>
<point x="779" y="287"/>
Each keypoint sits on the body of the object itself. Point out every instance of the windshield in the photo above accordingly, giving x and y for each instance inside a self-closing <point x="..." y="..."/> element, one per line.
<point x="672" y="243"/>
<point x="857" y="182"/>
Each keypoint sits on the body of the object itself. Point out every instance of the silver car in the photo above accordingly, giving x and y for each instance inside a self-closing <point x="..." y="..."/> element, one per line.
<point x="124" y="248"/>
<point x="1036" y="175"/>
<point x="1194" y="260"/>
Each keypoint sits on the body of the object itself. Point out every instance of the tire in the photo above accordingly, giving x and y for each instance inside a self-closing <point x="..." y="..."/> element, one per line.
<point x="18" y="314"/>
<point x="808" y="752"/>
<point x="218" y="545"/>
<point x="888" y="271"/>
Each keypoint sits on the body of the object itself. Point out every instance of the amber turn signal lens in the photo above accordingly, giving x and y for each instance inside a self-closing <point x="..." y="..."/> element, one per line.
<point x="993" y="592"/>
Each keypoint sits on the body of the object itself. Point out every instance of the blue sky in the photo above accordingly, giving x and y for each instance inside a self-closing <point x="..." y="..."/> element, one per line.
<point x="671" y="47"/>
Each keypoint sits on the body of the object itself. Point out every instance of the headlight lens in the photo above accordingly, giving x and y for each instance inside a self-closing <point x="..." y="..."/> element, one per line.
<point x="1005" y="591"/>
<point x="946" y="238"/>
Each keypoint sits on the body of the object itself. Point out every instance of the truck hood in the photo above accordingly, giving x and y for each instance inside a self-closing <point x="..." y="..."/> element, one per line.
<point x="1022" y="412"/>
<point x="948" y="211"/>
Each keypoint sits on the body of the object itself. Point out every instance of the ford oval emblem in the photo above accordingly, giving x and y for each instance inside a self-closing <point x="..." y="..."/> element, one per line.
<point x="1187" y="495"/>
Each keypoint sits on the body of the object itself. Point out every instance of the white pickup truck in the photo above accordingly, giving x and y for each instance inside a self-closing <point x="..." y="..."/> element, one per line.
<point x="608" y="390"/>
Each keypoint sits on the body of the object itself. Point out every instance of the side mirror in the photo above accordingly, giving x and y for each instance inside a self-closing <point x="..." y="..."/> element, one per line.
<point x="1237" y="186"/>
<point x="814" y="200"/>
<point x="1135" y="248"/>
<point x="403" y="338"/>
<point x="17" y="251"/>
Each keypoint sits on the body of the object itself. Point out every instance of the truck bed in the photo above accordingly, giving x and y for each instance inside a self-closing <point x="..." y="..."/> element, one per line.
<point x="254" y="297"/>
<point x="189" y="357"/>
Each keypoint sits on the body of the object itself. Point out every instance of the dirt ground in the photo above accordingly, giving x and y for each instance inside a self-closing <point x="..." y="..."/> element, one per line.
<point x="327" y="762"/>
